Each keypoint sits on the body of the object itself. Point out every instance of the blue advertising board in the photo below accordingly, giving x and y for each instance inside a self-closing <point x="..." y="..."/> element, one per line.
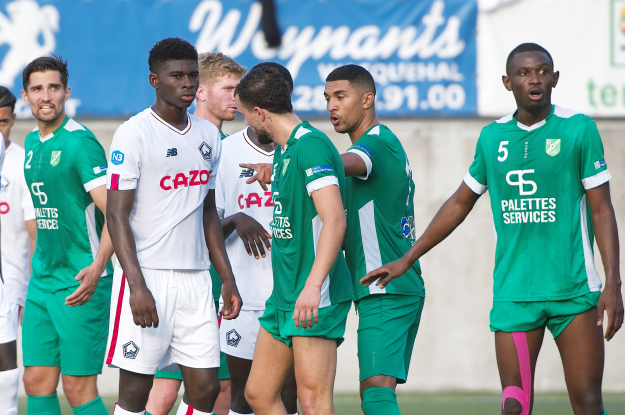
<point x="422" y="53"/>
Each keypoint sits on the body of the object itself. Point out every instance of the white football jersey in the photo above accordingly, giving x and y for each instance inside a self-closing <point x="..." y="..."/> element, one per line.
<point x="253" y="276"/>
<point x="16" y="207"/>
<point x="171" y="172"/>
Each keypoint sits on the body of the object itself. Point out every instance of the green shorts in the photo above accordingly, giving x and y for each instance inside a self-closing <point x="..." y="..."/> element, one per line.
<point x="73" y="338"/>
<point x="511" y="316"/>
<point x="331" y="323"/>
<point x="387" y="328"/>
<point x="224" y="373"/>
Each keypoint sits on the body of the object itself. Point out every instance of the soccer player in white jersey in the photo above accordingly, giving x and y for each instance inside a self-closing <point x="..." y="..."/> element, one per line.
<point x="19" y="231"/>
<point x="549" y="189"/>
<point x="219" y="76"/>
<point x="164" y="226"/>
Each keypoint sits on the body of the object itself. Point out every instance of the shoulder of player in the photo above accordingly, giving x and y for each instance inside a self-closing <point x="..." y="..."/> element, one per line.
<point x="232" y="142"/>
<point x="206" y="126"/>
<point x="310" y="136"/>
<point x="77" y="133"/>
<point x="572" y="116"/>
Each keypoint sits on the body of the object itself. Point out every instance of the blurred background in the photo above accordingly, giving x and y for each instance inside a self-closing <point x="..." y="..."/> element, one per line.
<point x="437" y="66"/>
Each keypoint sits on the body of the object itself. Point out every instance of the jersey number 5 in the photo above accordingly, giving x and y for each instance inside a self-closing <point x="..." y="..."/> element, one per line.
<point x="503" y="150"/>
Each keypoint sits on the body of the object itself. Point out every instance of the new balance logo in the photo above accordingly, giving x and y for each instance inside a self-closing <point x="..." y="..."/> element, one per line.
<point x="246" y="173"/>
<point x="172" y="152"/>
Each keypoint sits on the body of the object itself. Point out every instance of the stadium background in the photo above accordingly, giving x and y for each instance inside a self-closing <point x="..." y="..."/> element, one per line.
<point x="437" y="65"/>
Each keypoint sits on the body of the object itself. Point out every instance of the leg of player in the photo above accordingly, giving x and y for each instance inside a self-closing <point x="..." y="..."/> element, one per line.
<point x="239" y="373"/>
<point x="223" y="402"/>
<point x="201" y="388"/>
<point x="315" y="377"/>
<point x="273" y="361"/>
<point x="134" y="390"/>
<point x="9" y="378"/>
<point x="582" y="350"/>
<point x="40" y="383"/>
<point x="289" y="394"/>
<point x="513" y="371"/>
<point x="379" y="393"/>
<point x="163" y="396"/>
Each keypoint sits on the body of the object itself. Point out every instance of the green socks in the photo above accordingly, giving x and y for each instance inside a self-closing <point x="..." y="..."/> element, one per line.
<point x="43" y="405"/>
<point x="376" y="401"/>
<point x="94" y="407"/>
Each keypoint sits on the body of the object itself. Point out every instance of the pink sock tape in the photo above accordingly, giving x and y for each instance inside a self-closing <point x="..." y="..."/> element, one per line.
<point x="521" y="394"/>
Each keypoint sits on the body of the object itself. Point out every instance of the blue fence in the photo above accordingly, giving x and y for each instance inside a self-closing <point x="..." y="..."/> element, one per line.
<point x="422" y="53"/>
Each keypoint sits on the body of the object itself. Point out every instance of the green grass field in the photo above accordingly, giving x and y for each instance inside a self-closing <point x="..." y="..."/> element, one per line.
<point x="438" y="404"/>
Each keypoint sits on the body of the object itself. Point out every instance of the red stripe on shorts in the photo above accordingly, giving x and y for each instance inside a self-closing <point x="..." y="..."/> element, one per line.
<point x="118" y="312"/>
<point x="189" y="410"/>
<point x="115" y="182"/>
<point x="219" y="320"/>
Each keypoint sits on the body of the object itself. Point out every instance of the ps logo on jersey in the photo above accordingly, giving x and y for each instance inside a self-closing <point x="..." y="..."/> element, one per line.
<point x="117" y="157"/>
<point x="206" y="151"/>
<point x="522" y="182"/>
<point x="35" y="189"/>
<point x="56" y="157"/>
<point x="172" y="152"/>
<point x="233" y="338"/>
<point x="131" y="350"/>
<point x="552" y="146"/>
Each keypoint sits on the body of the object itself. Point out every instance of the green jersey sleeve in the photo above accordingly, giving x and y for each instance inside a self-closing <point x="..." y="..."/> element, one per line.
<point x="317" y="164"/>
<point x="91" y="163"/>
<point x="593" y="168"/>
<point x="476" y="176"/>
<point x="373" y="153"/>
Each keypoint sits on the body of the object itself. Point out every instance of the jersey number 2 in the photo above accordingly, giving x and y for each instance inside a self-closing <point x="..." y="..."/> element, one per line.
<point x="30" y="157"/>
<point x="503" y="150"/>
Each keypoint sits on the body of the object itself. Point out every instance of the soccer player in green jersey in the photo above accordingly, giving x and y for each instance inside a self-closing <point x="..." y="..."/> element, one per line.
<point x="380" y="229"/>
<point x="65" y="170"/>
<point x="305" y="316"/>
<point x="550" y="197"/>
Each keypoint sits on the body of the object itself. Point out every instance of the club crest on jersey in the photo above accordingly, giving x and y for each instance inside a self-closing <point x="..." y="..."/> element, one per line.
<point x="206" y="151"/>
<point x="233" y="338"/>
<point x="285" y="165"/>
<point x="4" y="184"/>
<point x="131" y="350"/>
<point x="552" y="146"/>
<point x="56" y="157"/>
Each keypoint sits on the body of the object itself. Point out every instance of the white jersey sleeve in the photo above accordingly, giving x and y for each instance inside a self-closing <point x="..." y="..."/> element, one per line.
<point x="27" y="201"/>
<point x="126" y="155"/>
<point x="220" y="191"/>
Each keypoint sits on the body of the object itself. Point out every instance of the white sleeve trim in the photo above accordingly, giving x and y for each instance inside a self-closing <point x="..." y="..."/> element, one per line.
<point x="596" y="180"/>
<point x="367" y="160"/>
<point x="474" y="185"/>
<point x="321" y="183"/>
<point x="97" y="182"/>
<point x="29" y="212"/>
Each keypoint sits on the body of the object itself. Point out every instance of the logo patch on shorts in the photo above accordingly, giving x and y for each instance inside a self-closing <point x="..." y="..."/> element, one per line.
<point x="131" y="350"/>
<point x="233" y="338"/>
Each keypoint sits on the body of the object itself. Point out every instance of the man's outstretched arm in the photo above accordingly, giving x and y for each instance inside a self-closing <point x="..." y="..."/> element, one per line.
<point x="606" y="232"/>
<point x="450" y="215"/>
<point x="142" y="304"/>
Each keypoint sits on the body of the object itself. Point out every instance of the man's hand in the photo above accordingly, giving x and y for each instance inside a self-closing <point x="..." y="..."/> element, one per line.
<point x="89" y="278"/>
<point x="253" y="235"/>
<point x="306" y="310"/>
<point x="232" y="301"/>
<point x="386" y="273"/>
<point x="143" y="307"/>
<point x="262" y="176"/>
<point x="612" y="303"/>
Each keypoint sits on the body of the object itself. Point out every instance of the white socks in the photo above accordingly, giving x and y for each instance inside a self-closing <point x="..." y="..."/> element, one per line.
<point x="9" y="382"/>
<point x="185" y="409"/>
<point x="121" y="411"/>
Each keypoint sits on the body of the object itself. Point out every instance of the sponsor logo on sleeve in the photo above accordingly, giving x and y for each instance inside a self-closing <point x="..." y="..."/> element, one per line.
<point x="324" y="168"/>
<point x="131" y="350"/>
<point x="599" y="164"/>
<point x="206" y="151"/>
<point x="117" y="157"/>
<point x="363" y="149"/>
<point x="100" y="169"/>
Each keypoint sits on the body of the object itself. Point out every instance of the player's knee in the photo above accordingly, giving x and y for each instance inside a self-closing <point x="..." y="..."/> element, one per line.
<point x="309" y="400"/>
<point x="79" y="389"/>
<point x="512" y="407"/>
<point x="37" y="384"/>
<point x="164" y="399"/>
<point x="255" y="396"/>
<point x="587" y="402"/>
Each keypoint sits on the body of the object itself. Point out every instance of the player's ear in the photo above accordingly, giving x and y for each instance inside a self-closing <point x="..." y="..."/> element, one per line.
<point x="201" y="93"/>
<point x="367" y="100"/>
<point x="507" y="83"/>
<point x="68" y="92"/>
<point x="556" y="78"/>
<point x="13" y="120"/>
<point x="153" y="78"/>
<point x="25" y="97"/>
<point x="259" y="113"/>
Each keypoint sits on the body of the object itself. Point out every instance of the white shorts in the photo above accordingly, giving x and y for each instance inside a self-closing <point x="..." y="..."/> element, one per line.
<point x="238" y="336"/>
<point x="9" y="318"/>
<point x="187" y="333"/>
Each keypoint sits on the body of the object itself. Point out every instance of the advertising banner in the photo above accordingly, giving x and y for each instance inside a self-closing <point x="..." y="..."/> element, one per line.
<point x="422" y="54"/>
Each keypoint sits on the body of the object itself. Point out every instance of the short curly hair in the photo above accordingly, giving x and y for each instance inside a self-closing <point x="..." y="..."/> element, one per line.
<point x="170" y="49"/>
<point x="265" y="88"/>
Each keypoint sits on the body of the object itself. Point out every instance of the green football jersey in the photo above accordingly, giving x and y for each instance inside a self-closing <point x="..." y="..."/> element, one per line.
<point x="380" y="213"/>
<point x="214" y="276"/>
<point x="537" y="177"/>
<point x="61" y="169"/>
<point x="308" y="162"/>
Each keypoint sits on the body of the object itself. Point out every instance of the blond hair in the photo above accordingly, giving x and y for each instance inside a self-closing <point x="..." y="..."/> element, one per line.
<point x="215" y="64"/>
